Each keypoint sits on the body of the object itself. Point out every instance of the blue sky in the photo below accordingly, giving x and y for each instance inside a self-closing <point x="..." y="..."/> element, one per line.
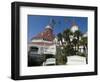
<point x="37" y="23"/>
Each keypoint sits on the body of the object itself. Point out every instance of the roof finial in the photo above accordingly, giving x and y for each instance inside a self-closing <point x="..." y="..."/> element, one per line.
<point x="52" y="22"/>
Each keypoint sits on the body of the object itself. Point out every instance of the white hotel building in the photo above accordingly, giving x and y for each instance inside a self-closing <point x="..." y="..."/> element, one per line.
<point x="46" y="42"/>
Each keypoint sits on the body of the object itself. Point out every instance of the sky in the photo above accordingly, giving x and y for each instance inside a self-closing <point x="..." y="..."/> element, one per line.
<point x="37" y="23"/>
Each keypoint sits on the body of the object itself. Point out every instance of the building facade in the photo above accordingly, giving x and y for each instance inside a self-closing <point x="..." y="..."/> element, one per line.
<point x="44" y="41"/>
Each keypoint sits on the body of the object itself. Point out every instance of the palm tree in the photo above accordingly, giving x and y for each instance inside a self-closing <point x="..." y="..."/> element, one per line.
<point x="75" y="42"/>
<point x="85" y="47"/>
<point x="61" y="58"/>
<point x="59" y="35"/>
<point x="68" y="49"/>
<point x="84" y="42"/>
<point x="66" y="35"/>
<point x="77" y="35"/>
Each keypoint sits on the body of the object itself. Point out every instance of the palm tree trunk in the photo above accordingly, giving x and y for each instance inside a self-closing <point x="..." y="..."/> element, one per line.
<point x="86" y="55"/>
<point x="75" y="49"/>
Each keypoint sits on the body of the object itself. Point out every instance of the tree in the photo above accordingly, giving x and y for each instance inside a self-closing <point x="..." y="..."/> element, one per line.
<point x="75" y="42"/>
<point x="68" y="50"/>
<point x="61" y="58"/>
<point x="83" y="42"/>
<point x="66" y="35"/>
<point x="77" y="35"/>
<point x="59" y="35"/>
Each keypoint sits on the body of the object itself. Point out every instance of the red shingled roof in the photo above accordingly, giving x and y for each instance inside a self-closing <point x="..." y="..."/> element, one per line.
<point x="47" y="35"/>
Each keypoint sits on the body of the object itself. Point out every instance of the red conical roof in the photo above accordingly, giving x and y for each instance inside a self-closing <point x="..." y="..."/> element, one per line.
<point x="47" y="35"/>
